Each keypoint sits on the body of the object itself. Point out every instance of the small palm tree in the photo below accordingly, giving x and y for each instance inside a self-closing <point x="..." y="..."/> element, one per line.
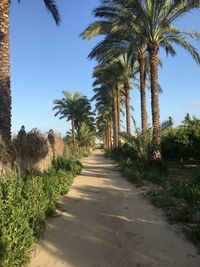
<point x="141" y="143"/>
<point x="68" y="107"/>
<point x="85" y="136"/>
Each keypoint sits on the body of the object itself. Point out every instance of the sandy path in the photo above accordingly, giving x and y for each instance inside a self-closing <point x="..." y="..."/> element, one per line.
<point x="104" y="221"/>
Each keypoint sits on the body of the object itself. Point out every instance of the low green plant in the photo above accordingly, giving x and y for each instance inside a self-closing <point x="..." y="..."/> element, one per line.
<point x="185" y="189"/>
<point x="141" y="143"/>
<point x="162" y="200"/>
<point x="24" y="207"/>
<point x="185" y="214"/>
<point x="66" y="164"/>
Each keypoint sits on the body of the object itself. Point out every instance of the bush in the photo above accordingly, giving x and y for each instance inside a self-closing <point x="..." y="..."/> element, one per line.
<point x="15" y="232"/>
<point x="182" y="142"/>
<point x="24" y="206"/>
<point x="72" y="165"/>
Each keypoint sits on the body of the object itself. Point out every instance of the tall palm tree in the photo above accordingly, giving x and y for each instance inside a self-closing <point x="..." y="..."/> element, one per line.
<point x="68" y="107"/>
<point x="154" y="21"/>
<point x="119" y="39"/>
<point x="106" y="75"/>
<point x="151" y="22"/>
<point x="104" y="121"/>
<point x="127" y="69"/>
<point x="5" y="91"/>
<point x="117" y="44"/>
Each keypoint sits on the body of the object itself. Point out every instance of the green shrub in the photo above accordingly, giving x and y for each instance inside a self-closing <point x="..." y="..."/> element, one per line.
<point x="24" y="206"/>
<point x="182" y="142"/>
<point x="63" y="163"/>
<point x="16" y="234"/>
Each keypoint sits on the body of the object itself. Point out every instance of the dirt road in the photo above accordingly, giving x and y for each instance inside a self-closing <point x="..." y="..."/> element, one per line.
<point x="105" y="221"/>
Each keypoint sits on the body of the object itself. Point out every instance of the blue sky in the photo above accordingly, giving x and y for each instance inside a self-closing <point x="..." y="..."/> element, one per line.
<point x="46" y="59"/>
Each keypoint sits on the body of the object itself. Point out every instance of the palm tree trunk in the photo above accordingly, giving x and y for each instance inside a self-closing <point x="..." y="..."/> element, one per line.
<point x="73" y="131"/>
<point x="116" y="135"/>
<point x="107" y="137"/>
<point x="114" y="129"/>
<point x="5" y="94"/>
<point x="142" y="62"/>
<point x="109" y="146"/>
<point x="118" y="109"/>
<point x="128" y="113"/>
<point x="156" y="151"/>
<point x="110" y="133"/>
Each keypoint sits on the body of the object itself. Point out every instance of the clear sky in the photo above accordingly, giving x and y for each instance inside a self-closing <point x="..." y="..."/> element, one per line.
<point x="46" y="59"/>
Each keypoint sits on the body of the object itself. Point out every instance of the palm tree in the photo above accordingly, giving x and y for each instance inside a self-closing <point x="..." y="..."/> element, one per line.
<point x="5" y="92"/>
<point x="68" y="107"/>
<point x="105" y="76"/>
<point x="114" y="46"/>
<point x="105" y="107"/>
<point x="152" y="23"/>
<point x="85" y="136"/>
<point x="127" y="69"/>
<point x="119" y="40"/>
<point x="85" y="114"/>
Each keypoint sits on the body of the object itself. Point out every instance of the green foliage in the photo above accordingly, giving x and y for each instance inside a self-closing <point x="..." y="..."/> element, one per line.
<point x="186" y="214"/>
<point x="182" y="142"/>
<point x="162" y="200"/>
<point x="16" y="235"/>
<point x="186" y="189"/>
<point x="135" y="169"/>
<point x="24" y="206"/>
<point x="141" y="144"/>
<point x="85" y="136"/>
<point x="63" y="163"/>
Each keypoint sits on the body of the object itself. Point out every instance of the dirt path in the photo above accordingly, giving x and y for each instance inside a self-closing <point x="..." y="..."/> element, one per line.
<point x="105" y="221"/>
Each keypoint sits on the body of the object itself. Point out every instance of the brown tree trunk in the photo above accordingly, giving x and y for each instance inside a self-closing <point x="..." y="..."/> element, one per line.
<point x="73" y="131"/>
<point x="116" y="136"/>
<point x="128" y="113"/>
<point x="110" y="136"/>
<point x="5" y="93"/>
<point x="156" y="151"/>
<point x="107" y="137"/>
<point x="142" y="62"/>
<point x="114" y="129"/>
<point x="118" y="109"/>
<point x="109" y="140"/>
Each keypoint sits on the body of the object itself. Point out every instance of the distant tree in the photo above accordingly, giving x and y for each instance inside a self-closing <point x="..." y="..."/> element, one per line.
<point x="68" y="107"/>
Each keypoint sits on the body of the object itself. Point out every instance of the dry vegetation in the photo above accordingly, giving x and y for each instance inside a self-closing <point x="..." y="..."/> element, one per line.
<point x="32" y="150"/>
